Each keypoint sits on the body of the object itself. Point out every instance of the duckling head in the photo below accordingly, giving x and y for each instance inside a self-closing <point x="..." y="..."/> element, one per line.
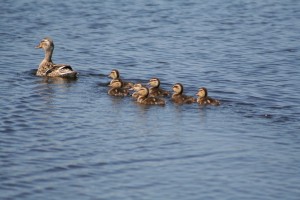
<point x="143" y="92"/>
<point x="136" y="87"/>
<point x="114" y="74"/>
<point x="202" y="92"/>
<point x="178" y="88"/>
<point x="46" y="43"/>
<point x="115" y="83"/>
<point x="154" y="82"/>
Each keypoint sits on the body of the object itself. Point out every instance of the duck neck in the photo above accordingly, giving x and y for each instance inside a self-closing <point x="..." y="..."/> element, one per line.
<point x="201" y="98"/>
<point x="48" y="55"/>
<point x="176" y="94"/>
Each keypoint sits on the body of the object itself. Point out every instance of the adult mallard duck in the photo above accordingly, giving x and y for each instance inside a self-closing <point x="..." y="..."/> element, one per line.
<point x="47" y="67"/>
<point x="155" y="90"/>
<point x="203" y="99"/>
<point x="179" y="97"/>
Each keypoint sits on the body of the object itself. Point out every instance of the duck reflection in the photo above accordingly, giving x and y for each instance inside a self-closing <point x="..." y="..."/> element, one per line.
<point x="48" y="89"/>
<point x="58" y="80"/>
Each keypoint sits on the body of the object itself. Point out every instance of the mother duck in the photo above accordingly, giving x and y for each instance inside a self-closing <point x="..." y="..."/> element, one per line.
<point x="47" y="67"/>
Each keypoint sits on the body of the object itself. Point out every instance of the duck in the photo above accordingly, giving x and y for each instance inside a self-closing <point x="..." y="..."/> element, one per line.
<point x="136" y="87"/>
<point x="155" y="90"/>
<point x="145" y="99"/>
<point x="115" y="74"/>
<point x="47" y="67"/>
<point x="204" y="99"/>
<point x="179" y="97"/>
<point x="117" y="88"/>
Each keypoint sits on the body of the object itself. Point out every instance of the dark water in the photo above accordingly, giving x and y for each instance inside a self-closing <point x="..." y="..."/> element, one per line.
<point x="69" y="140"/>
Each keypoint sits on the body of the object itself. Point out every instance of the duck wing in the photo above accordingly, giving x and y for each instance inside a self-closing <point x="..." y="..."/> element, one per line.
<point x="61" y="70"/>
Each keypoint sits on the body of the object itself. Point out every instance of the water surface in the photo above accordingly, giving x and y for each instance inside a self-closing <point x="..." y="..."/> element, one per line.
<point x="69" y="139"/>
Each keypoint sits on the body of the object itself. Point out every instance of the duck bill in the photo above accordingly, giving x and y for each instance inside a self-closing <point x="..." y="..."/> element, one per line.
<point x="39" y="46"/>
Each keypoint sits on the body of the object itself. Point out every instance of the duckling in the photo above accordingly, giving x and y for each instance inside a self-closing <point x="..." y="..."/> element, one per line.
<point x="179" y="97"/>
<point x="115" y="74"/>
<point x="203" y="99"/>
<point x="155" y="90"/>
<point x="146" y="100"/>
<point x="136" y="87"/>
<point x="47" y="67"/>
<point x="117" y="89"/>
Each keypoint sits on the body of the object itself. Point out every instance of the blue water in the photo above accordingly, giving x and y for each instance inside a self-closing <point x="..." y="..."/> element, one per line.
<point x="65" y="139"/>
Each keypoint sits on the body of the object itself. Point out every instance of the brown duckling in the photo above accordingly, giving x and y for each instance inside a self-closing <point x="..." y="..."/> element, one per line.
<point x="47" y="67"/>
<point x="203" y="99"/>
<point x="115" y="74"/>
<point x="179" y="97"/>
<point x="155" y="90"/>
<point x="145" y="99"/>
<point x="117" y="89"/>
<point x="136" y="87"/>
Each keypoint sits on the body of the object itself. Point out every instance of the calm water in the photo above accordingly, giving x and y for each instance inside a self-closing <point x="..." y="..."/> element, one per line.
<point x="69" y="140"/>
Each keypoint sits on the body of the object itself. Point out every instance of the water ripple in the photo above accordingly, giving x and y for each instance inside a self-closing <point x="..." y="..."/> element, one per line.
<point x="69" y="139"/>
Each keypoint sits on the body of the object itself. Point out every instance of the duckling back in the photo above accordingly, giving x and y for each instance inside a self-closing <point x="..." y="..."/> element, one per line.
<point x="151" y="101"/>
<point x="119" y="92"/>
<point x="183" y="99"/>
<point x="158" y="92"/>
<point x="208" y="101"/>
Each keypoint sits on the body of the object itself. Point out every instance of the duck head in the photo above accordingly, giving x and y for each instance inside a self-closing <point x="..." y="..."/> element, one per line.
<point x="143" y="92"/>
<point x="154" y="82"/>
<point x="114" y="74"/>
<point x="202" y="92"/>
<point x="46" y="44"/>
<point x="136" y="87"/>
<point x="178" y="88"/>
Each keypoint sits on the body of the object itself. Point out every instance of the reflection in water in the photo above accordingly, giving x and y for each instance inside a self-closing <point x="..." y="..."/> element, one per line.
<point x="48" y="88"/>
<point x="58" y="80"/>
